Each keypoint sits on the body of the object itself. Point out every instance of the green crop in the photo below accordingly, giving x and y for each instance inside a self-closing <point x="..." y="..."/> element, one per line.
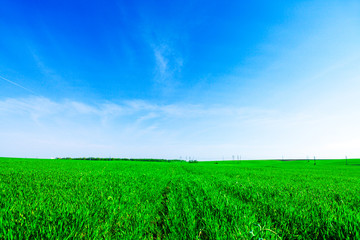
<point x="72" y="199"/>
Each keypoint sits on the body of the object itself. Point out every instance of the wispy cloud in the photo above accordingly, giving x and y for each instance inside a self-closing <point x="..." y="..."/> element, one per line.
<point x="168" y="66"/>
<point x="137" y="128"/>
<point x="131" y="124"/>
<point x="44" y="107"/>
<point x="161" y="64"/>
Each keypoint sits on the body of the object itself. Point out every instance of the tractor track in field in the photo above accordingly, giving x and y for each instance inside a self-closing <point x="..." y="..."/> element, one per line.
<point x="163" y="213"/>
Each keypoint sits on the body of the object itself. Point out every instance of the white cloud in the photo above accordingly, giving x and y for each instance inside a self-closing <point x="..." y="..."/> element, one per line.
<point x="40" y="127"/>
<point x="50" y="125"/>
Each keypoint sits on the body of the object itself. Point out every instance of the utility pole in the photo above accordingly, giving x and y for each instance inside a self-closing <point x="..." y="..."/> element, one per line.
<point x="314" y="161"/>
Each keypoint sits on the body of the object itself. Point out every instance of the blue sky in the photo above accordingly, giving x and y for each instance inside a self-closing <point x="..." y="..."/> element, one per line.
<point x="166" y="79"/>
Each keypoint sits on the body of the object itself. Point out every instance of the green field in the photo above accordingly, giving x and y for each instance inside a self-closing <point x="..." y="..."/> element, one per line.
<point x="73" y="199"/>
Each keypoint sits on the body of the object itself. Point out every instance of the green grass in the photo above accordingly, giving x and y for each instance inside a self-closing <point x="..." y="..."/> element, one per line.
<point x="69" y="199"/>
